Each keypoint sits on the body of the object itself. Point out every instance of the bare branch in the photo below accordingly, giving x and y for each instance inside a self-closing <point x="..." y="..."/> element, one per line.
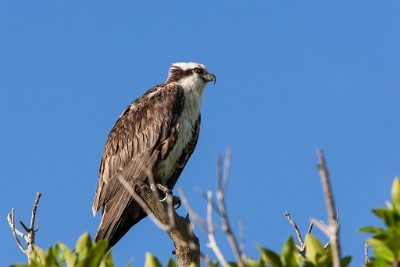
<point x="220" y="208"/>
<point x="333" y="229"/>
<point x="296" y="229"/>
<point x="195" y="217"/>
<point x="222" y="186"/>
<point x="310" y="228"/>
<point x="207" y="260"/>
<point x="211" y="237"/>
<point x="141" y="202"/>
<point x="187" y="246"/>
<point x="29" y="238"/>
<point x="16" y="232"/>
<point x="242" y="236"/>
<point x="227" y="167"/>
<point x="366" y="257"/>
<point x="321" y="226"/>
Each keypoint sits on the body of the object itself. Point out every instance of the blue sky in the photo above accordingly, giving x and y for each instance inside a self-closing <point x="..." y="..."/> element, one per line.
<point x="292" y="76"/>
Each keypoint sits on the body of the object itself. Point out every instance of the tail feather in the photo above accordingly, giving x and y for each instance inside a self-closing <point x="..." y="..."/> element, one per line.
<point x="119" y="215"/>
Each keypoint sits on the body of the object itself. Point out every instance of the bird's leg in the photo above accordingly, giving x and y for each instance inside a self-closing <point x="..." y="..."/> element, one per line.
<point x="176" y="201"/>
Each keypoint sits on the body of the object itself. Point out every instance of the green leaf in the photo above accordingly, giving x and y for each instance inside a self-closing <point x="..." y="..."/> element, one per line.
<point x="314" y="248"/>
<point x="289" y="253"/>
<point x="152" y="261"/>
<point x="108" y="261"/>
<point x="130" y="263"/>
<point x="68" y="255"/>
<point x="84" y="243"/>
<point x="270" y="257"/>
<point x="98" y="252"/>
<point x="252" y="263"/>
<point x="171" y="263"/>
<point x="371" y="229"/>
<point x="376" y="242"/>
<point x="384" y="253"/>
<point x="344" y="262"/>
<point x="396" y="192"/>
<point x="389" y="216"/>
<point x="379" y="262"/>
<point x="38" y="255"/>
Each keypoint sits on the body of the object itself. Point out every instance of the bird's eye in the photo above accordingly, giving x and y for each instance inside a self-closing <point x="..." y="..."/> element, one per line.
<point x="199" y="71"/>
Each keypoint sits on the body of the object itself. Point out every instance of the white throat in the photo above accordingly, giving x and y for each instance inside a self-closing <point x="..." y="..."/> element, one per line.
<point x="193" y="87"/>
<point x="193" y="83"/>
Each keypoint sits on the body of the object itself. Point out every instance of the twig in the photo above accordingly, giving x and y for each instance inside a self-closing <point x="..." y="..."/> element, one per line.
<point x="195" y="217"/>
<point x="242" y="236"/>
<point x="211" y="237"/>
<point x="366" y="257"/>
<point x="222" y="186"/>
<point x="296" y="229"/>
<point x="29" y="238"/>
<point x="333" y="229"/>
<point x="16" y="232"/>
<point x="310" y="228"/>
<point x="220" y="208"/>
<point x="207" y="260"/>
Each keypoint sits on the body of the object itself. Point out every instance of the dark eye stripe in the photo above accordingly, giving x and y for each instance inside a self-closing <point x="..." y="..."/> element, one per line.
<point x="198" y="70"/>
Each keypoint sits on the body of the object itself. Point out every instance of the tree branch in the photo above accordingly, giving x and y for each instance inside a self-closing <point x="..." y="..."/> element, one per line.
<point x="333" y="228"/>
<point x="221" y="190"/>
<point x="179" y="229"/>
<point x="31" y="231"/>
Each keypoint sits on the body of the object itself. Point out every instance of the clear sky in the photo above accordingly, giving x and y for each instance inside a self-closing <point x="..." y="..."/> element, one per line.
<point x="292" y="76"/>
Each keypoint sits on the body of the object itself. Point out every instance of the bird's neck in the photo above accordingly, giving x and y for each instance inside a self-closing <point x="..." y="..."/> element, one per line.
<point x="193" y="89"/>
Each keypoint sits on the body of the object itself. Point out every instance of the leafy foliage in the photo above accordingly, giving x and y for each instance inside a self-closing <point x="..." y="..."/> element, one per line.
<point x="316" y="255"/>
<point x="87" y="253"/>
<point x="386" y="241"/>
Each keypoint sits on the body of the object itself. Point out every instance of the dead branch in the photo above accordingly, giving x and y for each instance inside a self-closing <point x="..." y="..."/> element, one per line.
<point x="179" y="229"/>
<point x="29" y="237"/>
<point x="302" y="248"/>
<point x="333" y="228"/>
<point x="366" y="257"/>
<point x="195" y="217"/>
<point x="221" y="190"/>
<point x="211" y="236"/>
<point x="219" y="207"/>
<point x="296" y="229"/>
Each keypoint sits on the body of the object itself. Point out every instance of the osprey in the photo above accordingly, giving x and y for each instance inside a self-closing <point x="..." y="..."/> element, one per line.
<point x="156" y="136"/>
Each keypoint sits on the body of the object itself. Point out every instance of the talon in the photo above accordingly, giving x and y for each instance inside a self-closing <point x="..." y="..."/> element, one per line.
<point x="176" y="201"/>
<point x="163" y="188"/>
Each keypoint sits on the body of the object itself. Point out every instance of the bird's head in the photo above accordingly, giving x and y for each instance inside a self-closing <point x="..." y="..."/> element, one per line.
<point x="193" y="75"/>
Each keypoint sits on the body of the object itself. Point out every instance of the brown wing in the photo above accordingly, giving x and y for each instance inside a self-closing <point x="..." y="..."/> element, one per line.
<point x="135" y="144"/>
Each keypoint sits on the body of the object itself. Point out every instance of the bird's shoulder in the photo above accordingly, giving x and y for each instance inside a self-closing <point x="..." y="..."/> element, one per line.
<point x="147" y="115"/>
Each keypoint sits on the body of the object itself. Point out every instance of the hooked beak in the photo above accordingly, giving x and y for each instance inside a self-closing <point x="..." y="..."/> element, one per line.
<point x="208" y="77"/>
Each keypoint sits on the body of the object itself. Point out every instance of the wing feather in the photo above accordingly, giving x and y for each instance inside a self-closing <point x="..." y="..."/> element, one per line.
<point x="135" y="142"/>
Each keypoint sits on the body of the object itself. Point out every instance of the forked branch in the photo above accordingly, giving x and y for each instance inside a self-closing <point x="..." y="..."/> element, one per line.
<point x="187" y="245"/>
<point x="29" y="237"/>
<point x="208" y="225"/>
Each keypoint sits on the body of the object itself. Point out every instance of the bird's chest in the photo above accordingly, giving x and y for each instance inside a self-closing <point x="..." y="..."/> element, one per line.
<point x="185" y="125"/>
